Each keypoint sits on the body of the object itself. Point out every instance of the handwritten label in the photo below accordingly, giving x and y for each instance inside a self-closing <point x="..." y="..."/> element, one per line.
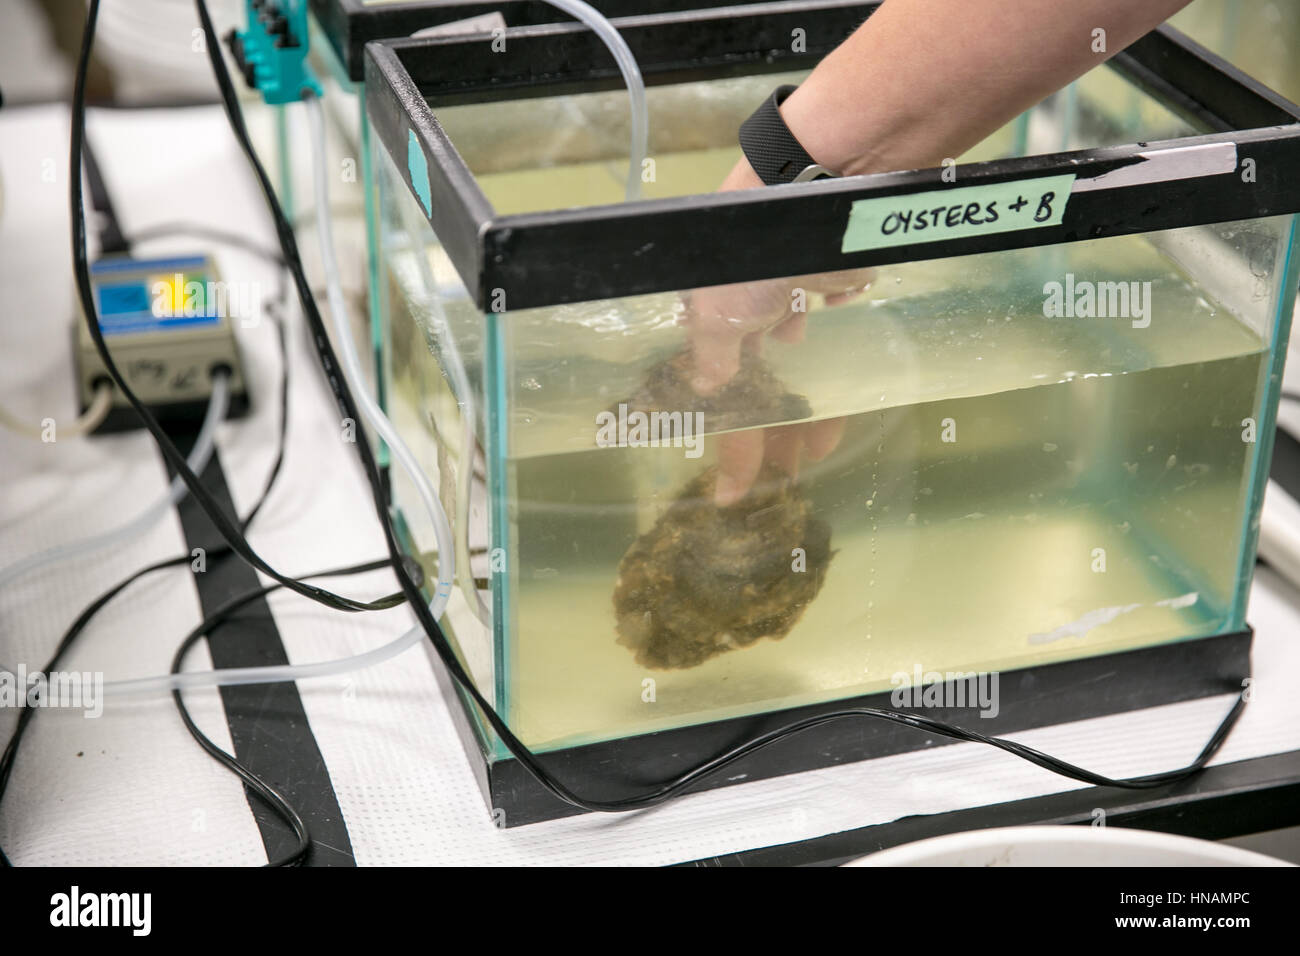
<point x="944" y="214"/>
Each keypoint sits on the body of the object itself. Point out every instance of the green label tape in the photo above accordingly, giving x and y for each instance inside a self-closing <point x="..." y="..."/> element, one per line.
<point x="956" y="213"/>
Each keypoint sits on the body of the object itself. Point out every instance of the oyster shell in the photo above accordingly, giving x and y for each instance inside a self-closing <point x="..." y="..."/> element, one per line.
<point x="706" y="580"/>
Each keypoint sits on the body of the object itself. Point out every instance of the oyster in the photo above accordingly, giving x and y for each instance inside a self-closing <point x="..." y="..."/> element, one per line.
<point x="705" y="580"/>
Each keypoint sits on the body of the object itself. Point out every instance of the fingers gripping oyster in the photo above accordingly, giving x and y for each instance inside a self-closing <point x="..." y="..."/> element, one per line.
<point x="705" y="580"/>
<point x="754" y="396"/>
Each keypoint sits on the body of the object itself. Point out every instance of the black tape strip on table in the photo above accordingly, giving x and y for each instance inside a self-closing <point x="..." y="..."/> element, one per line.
<point x="268" y="724"/>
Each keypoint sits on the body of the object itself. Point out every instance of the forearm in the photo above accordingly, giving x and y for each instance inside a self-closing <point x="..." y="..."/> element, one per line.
<point x="923" y="80"/>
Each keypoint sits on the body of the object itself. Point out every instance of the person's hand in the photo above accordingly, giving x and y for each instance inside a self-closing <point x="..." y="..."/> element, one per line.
<point x="741" y="454"/>
<point x="722" y="323"/>
<point x="910" y="87"/>
<point x="723" y="320"/>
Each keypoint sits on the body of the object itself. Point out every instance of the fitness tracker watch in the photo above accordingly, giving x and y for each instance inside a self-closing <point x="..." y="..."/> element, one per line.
<point x="772" y="149"/>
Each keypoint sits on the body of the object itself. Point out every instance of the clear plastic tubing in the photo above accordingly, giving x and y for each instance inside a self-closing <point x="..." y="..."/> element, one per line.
<point x="351" y="362"/>
<point x="640" y="121"/>
<point x="356" y="379"/>
<point x="352" y="369"/>
<point x="218" y="405"/>
<point x="228" y="676"/>
<point x="639" y="125"/>
<point x="460" y="387"/>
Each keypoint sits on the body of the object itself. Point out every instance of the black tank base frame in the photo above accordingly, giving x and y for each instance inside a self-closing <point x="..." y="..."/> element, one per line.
<point x="1028" y="697"/>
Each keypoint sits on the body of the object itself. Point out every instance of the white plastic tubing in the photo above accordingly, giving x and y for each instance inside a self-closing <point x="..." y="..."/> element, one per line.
<point x="375" y="415"/>
<point x="640" y="120"/>
<point x="639" y="126"/>
<point x="401" y="453"/>
<point x="218" y="405"/>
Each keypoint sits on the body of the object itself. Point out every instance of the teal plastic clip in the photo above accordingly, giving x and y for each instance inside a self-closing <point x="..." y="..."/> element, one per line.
<point x="272" y="52"/>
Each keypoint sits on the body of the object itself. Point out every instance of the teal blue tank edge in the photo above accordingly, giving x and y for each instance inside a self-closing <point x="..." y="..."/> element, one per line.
<point x="418" y="169"/>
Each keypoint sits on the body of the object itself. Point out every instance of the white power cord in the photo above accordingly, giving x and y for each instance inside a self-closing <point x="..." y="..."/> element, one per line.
<point x="90" y="419"/>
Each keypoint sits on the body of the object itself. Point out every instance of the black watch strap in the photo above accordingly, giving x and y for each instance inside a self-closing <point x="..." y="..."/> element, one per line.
<point x="772" y="149"/>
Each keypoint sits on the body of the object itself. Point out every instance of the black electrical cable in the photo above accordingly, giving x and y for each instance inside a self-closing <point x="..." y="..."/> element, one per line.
<point x="516" y="747"/>
<point x="81" y="267"/>
<point x="10" y="754"/>
<point x="25" y="715"/>
<point x="278" y="464"/>
<point x="329" y="362"/>
<point x="264" y="790"/>
<point x="236" y="240"/>
<point x="228" y="607"/>
<point x="268" y="794"/>
<point x="275" y="307"/>
<point x="111" y="240"/>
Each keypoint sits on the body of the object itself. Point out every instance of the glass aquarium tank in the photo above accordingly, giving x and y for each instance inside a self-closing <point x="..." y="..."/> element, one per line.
<point x="1012" y="416"/>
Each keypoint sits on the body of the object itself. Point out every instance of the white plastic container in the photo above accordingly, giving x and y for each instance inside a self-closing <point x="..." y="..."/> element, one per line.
<point x="1065" y="846"/>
